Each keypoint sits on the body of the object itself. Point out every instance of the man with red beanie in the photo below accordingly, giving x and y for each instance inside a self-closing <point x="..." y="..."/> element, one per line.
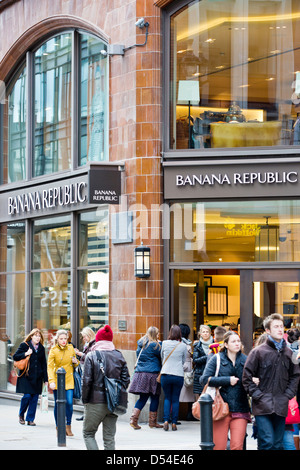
<point x="93" y="392"/>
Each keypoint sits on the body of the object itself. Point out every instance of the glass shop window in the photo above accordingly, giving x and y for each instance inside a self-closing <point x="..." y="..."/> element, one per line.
<point x="235" y="74"/>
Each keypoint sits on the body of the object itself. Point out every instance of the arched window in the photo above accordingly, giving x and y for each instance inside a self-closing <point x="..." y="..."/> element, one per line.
<point x="234" y="74"/>
<point x="56" y="111"/>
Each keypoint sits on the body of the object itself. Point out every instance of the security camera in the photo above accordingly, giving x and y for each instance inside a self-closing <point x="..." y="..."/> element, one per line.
<point x="140" y="23"/>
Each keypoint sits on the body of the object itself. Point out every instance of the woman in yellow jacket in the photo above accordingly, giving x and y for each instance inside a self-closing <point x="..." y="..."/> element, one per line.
<point x="63" y="355"/>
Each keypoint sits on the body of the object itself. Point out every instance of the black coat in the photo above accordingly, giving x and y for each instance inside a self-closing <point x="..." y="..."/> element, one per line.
<point x="278" y="379"/>
<point x="93" y="390"/>
<point x="199" y="362"/>
<point x="234" y="395"/>
<point x="37" y="373"/>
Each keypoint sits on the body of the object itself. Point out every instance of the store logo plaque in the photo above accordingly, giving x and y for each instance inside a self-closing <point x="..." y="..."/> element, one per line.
<point x="104" y="186"/>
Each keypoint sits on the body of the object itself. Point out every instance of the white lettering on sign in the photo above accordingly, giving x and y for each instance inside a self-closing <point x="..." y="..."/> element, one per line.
<point x="105" y="195"/>
<point x="72" y="193"/>
<point x="268" y="177"/>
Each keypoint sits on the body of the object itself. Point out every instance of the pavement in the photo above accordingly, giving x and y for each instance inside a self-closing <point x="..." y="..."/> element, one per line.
<point x="14" y="436"/>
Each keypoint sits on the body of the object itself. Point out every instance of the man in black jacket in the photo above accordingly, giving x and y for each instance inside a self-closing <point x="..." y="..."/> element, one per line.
<point x="271" y="378"/>
<point x="93" y="391"/>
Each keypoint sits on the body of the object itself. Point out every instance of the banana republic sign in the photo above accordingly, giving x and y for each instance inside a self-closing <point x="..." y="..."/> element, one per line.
<point x="98" y="186"/>
<point x="232" y="180"/>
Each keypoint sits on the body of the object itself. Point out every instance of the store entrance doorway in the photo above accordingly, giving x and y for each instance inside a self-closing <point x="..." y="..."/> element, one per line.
<point x="271" y="291"/>
<point x="236" y="299"/>
<point x="209" y="297"/>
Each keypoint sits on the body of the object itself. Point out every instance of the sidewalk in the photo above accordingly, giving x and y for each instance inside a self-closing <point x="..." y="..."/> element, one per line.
<point x="14" y="436"/>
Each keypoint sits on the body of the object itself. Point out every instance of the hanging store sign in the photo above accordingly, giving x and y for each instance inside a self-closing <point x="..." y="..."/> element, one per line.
<point x="238" y="180"/>
<point x="104" y="186"/>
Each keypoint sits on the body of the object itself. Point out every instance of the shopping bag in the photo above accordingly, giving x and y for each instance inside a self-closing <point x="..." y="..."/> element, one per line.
<point x="44" y="400"/>
<point x="293" y="416"/>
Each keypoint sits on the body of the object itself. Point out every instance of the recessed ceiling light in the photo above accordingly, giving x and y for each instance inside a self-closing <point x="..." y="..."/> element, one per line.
<point x="210" y="40"/>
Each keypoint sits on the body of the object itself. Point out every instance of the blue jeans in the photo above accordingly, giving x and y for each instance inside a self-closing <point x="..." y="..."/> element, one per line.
<point x="154" y="401"/>
<point x="288" y="440"/>
<point x="270" y="431"/>
<point x="29" y="403"/>
<point x="69" y="406"/>
<point x="172" y="385"/>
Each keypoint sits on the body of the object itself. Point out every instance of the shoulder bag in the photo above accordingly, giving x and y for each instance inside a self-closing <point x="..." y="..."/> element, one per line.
<point x="220" y="408"/>
<point x="159" y="375"/>
<point x="77" y="374"/>
<point x="23" y="364"/>
<point x="113" y="388"/>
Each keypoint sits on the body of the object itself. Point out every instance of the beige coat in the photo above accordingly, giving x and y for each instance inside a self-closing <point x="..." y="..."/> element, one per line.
<point x="187" y="394"/>
<point x="62" y="357"/>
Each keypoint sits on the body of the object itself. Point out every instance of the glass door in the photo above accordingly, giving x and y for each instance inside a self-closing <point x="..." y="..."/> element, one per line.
<point x="273" y="291"/>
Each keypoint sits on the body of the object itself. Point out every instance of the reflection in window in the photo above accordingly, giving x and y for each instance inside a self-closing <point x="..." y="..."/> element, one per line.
<point x="12" y="240"/>
<point x="94" y="298"/>
<point x="14" y="166"/>
<point x="12" y="328"/>
<point x="235" y="79"/>
<point x="93" y="101"/>
<point x="93" y="238"/>
<point x="52" y="242"/>
<point x="53" y="105"/>
<point x="51" y="301"/>
<point x="94" y="282"/>
<point x="247" y="231"/>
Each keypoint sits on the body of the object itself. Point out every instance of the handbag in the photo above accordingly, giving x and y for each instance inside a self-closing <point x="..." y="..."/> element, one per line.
<point x="158" y="378"/>
<point x="113" y="388"/>
<point x="293" y="416"/>
<point x="23" y="364"/>
<point x="220" y="409"/>
<point x="44" y="400"/>
<point x="77" y="382"/>
<point x="189" y="378"/>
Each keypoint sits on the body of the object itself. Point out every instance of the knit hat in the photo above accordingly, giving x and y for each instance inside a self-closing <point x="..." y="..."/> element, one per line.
<point x="104" y="334"/>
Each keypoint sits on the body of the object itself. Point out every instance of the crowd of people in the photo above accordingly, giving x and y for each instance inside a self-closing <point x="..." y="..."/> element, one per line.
<point x="257" y="388"/>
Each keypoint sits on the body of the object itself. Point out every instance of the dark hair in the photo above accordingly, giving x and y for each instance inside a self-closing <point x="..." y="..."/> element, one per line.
<point x="185" y="330"/>
<point x="293" y="335"/>
<point x="268" y="320"/>
<point x="175" y="333"/>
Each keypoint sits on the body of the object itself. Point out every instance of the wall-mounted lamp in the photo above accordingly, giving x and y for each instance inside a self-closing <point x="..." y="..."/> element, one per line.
<point x="142" y="261"/>
<point x="119" y="49"/>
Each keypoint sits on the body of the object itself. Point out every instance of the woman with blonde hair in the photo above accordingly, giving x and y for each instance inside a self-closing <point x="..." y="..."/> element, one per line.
<point x="63" y="355"/>
<point x="144" y="381"/>
<point x="200" y="356"/>
<point x="88" y="338"/>
<point x="30" y="383"/>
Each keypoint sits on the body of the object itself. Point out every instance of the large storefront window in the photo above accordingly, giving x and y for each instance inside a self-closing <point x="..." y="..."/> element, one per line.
<point x="93" y="103"/>
<point x="12" y="298"/>
<point x="235" y="74"/>
<point x="238" y="232"/>
<point x="61" y="281"/>
<point x="52" y="243"/>
<point x="14" y="149"/>
<point x="39" y="133"/>
<point x="94" y="268"/>
<point x="53" y="105"/>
